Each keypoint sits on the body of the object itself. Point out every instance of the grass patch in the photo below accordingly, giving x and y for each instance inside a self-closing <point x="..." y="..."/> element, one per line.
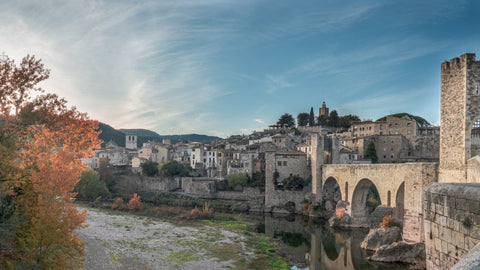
<point x="228" y="224"/>
<point x="182" y="257"/>
<point x="114" y="258"/>
<point x="226" y="252"/>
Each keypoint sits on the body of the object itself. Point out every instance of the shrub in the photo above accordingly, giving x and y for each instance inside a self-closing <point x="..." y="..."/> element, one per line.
<point x="206" y="212"/>
<point x="237" y="179"/>
<point x="294" y="181"/>
<point x="340" y="212"/>
<point x="174" y="168"/>
<point x="118" y="203"/>
<point x="135" y="203"/>
<point x="149" y="168"/>
<point x="387" y="222"/>
<point x="90" y="186"/>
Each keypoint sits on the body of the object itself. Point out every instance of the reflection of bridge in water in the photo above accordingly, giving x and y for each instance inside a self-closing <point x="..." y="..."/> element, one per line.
<point x="318" y="246"/>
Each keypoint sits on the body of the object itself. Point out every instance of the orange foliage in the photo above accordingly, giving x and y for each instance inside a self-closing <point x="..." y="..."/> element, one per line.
<point x="118" y="203"/>
<point x="51" y="139"/>
<point x="387" y="222"/>
<point x="340" y="212"/>
<point x="135" y="203"/>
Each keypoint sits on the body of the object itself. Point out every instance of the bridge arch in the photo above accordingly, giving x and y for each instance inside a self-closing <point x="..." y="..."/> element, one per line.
<point x="331" y="193"/>
<point x="365" y="199"/>
<point x="400" y="203"/>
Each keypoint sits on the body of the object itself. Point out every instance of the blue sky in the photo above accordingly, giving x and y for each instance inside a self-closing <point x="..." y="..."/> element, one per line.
<point x="230" y="67"/>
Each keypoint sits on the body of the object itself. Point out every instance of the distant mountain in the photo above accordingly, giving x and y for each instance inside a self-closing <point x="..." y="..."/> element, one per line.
<point x="111" y="134"/>
<point x="145" y="135"/>
<point x="140" y="132"/>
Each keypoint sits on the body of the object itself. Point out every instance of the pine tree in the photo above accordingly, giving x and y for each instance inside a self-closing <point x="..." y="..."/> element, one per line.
<point x="311" y="118"/>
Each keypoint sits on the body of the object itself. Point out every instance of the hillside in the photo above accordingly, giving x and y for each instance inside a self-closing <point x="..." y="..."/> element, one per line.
<point x="145" y="135"/>
<point x="419" y="119"/>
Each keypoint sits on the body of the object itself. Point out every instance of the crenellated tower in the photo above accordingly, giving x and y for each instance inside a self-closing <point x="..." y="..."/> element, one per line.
<point x="459" y="116"/>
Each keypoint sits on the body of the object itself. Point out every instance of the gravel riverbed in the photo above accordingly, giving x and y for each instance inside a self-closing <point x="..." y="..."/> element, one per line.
<point x="125" y="241"/>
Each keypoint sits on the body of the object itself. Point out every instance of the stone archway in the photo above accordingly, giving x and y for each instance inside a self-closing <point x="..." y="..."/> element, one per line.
<point x="400" y="203"/>
<point x="365" y="199"/>
<point x="331" y="193"/>
<point x="475" y="138"/>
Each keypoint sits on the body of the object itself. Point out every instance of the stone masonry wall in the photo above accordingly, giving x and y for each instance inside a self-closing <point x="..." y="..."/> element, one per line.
<point x="452" y="222"/>
<point x="460" y="108"/>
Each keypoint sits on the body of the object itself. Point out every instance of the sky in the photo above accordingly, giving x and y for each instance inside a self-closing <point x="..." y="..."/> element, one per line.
<point x="230" y="67"/>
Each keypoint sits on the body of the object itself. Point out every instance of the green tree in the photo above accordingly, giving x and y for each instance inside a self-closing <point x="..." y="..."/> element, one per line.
<point x="302" y="119"/>
<point x="237" y="179"/>
<point x="90" y="187"/>
<point x="149" y="168"/>
<point x="371" y="152"/>
<point x="105" y="172"/>
<point x="311" y="118"/>
<point x="346" y="121"/>
<point x="333" y="120"/>
<point x="174" y="168"/>
<point x="322" y="120"/>
<point x="286" y="120"/>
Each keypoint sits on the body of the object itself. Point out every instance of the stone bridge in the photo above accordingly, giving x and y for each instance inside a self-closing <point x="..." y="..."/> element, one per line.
<point x="399" y="186"/>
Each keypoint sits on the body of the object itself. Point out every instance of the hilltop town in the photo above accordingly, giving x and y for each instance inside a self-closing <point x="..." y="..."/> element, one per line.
<point x="395" y="138"/>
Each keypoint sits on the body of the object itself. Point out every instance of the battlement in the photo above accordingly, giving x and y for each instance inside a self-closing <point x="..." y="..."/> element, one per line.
<point x="458" y="62"/>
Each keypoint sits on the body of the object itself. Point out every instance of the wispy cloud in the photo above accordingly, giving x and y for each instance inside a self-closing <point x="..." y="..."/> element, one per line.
<point x="259" y="121"/>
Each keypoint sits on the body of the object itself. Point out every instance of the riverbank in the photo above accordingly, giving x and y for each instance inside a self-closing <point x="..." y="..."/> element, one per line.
<point x="129" y="240"/>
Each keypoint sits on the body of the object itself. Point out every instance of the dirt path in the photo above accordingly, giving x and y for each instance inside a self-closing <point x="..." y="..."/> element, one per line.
<point x="133" y="242"/>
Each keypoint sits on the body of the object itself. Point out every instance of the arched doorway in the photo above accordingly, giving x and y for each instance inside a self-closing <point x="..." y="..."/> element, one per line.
<point x="475" y="139"/>
<point x="331" y="194"/>
<point x="400" y="203"/>
<point x="365" y="199"/>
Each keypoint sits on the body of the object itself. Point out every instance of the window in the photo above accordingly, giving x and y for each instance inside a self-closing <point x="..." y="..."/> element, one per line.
<point x="408" y="124"/>
<point x="396" y="124"/>
<point x="381" y="127"/>
<point x="279" y="163"/>
<point x="285" y="163"/>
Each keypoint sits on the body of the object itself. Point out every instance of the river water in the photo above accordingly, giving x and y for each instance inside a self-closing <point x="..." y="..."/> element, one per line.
<point x="316" y="246"/>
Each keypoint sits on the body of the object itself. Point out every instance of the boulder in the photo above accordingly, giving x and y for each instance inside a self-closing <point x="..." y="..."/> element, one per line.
<point x="340" y="222"/>
<point x="401" y="252"/>
<point x="379" y="237"/>
<point x="378" y="214"/>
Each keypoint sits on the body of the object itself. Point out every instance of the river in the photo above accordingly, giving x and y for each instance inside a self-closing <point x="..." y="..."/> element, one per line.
<point x="316" y="246"/>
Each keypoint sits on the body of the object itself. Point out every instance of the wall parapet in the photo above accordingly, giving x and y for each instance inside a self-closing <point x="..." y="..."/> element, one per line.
<point x="452" y="222"/>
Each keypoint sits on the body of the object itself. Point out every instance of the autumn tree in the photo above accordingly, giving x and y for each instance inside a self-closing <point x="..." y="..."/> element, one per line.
<point x="302" y="119"/>
<point x="46" y="141"/>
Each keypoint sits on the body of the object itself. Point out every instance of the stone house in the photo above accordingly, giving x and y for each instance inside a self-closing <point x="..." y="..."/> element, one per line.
<point x="180" y="152"/>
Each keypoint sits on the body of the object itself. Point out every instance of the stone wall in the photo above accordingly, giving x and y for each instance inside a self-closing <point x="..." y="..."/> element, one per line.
<point x="452" y="222"/>
<point x="138" y="184"/>
<point x="199" y="187"/>
<point x="460" y="108"/>
<point x="425" y="147"/>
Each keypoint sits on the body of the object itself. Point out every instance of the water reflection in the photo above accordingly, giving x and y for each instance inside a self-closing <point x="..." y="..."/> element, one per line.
<point x="317" y="246"/>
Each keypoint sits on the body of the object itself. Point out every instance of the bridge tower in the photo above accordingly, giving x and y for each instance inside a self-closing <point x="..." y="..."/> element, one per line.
<point x="459" y="117"/>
